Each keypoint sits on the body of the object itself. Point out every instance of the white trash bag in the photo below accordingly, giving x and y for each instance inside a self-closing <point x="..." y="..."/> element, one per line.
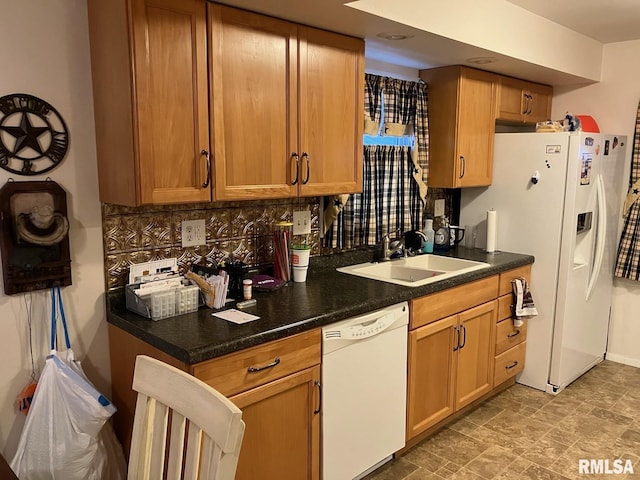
<point x="65" y="436"/>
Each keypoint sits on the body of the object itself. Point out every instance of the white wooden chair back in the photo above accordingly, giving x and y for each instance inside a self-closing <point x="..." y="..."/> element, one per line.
<point x="205" y="432"/>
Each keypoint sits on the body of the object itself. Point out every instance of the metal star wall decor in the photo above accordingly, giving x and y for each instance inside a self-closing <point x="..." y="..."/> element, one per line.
<point x="33" y="136"/>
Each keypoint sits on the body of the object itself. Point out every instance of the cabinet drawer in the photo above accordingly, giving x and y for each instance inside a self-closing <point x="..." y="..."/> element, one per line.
<point x="433" y="307"/>
<point x="240" y="371"/>
<point x="508" y="336"/>
<point x="505" y="307"/>
<point x="506" y="277"/>
<point x="509" y="363"/>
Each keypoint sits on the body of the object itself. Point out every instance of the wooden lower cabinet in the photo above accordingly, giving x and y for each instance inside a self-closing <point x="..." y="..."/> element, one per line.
<point x="431" y="387"/>
<point x="282" y="432"/>
<point x="450" y="365"/>
<point x="275" y="384"/>
<point x="474" y="372"/>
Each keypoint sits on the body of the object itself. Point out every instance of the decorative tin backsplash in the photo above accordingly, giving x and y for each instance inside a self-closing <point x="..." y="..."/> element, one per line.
<point x="234" y="230"/>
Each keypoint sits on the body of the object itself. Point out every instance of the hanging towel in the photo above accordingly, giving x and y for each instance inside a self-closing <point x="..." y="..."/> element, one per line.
<point x="524" y="305"/>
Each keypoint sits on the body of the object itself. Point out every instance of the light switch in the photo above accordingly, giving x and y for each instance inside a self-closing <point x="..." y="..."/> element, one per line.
<point x="438" y="208"/>
<point x="301" y="222"/>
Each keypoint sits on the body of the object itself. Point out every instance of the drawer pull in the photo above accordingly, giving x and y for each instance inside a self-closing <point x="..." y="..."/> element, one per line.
<point x="319" y="385"/>
<point x="513" y="334"/>
<point x="259" y="369"/>
<point x="509" y="367"/>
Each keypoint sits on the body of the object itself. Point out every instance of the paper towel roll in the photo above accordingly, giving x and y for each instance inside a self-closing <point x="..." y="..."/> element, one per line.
<point x="491" y="230"/>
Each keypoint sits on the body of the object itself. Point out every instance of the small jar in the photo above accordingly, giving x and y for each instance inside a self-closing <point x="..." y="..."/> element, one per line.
<point x="246" y="288"/>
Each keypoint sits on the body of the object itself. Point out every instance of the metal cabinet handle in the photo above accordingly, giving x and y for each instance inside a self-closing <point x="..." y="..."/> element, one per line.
<point x="306" y="155"/>
<point x="528" y="98"/>
<point x="509" y="367"/>
<point x="207" y="156"/>
<point x="259" y="369"/>
<point x="456" y="345"/>
<point x="464" y="336"/>
<point x="513" y="334"/>
<point x="297" y="158"/>
<point x="463" y="164"/>
<point x="319" y="385"/>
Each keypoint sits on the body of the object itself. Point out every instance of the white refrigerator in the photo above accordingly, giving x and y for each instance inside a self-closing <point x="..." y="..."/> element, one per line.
<point x="558" y="197"/>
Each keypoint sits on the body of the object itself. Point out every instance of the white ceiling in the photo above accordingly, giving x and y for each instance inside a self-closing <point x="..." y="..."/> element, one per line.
<point x="604" y="21"/>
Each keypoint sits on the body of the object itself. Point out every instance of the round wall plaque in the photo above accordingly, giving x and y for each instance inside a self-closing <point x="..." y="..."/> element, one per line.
<point x="33" y="136"/>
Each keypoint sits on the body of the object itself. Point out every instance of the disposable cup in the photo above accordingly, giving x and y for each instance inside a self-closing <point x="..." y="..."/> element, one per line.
<point x="300" y="258"/>
<point x="300" y="274"/>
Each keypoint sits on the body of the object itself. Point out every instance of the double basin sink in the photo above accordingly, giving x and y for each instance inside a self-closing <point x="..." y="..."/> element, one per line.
<point x="414" y="271"/>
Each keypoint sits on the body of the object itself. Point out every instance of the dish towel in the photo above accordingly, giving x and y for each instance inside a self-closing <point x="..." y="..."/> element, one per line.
<point x="525" y="307"/>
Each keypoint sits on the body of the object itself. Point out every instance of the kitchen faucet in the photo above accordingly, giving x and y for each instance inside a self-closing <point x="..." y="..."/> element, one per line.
<point x="389" y="247"/>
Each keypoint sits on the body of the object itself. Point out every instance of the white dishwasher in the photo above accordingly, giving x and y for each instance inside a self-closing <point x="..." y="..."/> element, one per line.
<point x="364" y="389"/>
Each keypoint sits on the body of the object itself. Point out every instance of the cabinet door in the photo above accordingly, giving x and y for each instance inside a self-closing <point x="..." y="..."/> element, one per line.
<point x="475" y="129"/>
<point x="331" y="112"/>
<point x="523" y="102"/>
<point x="432" y="363"/>
<point x="254" y="91"/>
<point x="539" y="103"/>
<point x="511" y="105"/>
<point x="171" y="100"/>
<point x="282" y="433"/>
<point x="474" y="374"/>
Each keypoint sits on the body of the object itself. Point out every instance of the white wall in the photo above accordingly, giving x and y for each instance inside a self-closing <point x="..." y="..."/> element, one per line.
<point x="44" y="51"/>
<point x="613" y="103"/>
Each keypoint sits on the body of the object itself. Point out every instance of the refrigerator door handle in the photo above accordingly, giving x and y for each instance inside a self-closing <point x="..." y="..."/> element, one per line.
<point x="600" y="236"/>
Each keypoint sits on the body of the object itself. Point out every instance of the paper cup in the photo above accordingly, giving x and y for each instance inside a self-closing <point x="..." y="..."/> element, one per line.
<point x="300" y="274"/>
<point x="300" y="258"/>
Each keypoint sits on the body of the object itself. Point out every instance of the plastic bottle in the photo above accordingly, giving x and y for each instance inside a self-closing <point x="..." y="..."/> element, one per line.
<point x="427" y="246"/>
<point x="247" y="283"/>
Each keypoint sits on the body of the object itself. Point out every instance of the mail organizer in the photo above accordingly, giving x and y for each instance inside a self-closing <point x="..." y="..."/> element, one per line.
<point x="164" y="303"/>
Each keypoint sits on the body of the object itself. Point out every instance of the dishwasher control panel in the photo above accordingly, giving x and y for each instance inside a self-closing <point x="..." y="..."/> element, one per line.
<point x="367" y="325"/>
<point x="367" y="329"/>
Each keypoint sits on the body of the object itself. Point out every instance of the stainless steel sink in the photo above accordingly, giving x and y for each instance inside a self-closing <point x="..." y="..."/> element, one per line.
<point x="414" y="271"/>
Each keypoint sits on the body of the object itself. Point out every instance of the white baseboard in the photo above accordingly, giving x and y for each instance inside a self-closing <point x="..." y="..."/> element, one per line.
<point x="634" y="362"/>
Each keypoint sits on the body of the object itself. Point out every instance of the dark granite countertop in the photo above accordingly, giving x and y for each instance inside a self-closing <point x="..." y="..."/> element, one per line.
<point x="327" y="296"/>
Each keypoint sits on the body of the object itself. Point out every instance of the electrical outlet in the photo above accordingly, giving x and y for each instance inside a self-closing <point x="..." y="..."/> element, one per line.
<point x="193" y="233"/>
<point x="301" y="222"/>
<point x="438" y="208"/>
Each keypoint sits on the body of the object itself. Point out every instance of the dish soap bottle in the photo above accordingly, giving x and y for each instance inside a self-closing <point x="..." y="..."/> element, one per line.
<point x="427" y="246"/>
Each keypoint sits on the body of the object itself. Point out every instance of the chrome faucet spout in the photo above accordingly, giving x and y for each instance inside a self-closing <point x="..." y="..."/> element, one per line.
<point x="389" y="247"/>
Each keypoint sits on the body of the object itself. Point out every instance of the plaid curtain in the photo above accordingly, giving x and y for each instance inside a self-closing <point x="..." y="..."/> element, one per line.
<point x="628" y="259"/>
<point x="389" y="202"/>
<point x="394" y="180"/>
<point x="399" y="101"/>
<point x="372" y="103"/>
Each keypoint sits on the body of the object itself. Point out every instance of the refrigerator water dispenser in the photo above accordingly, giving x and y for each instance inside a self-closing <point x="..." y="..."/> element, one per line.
<point x="584" y="222"/>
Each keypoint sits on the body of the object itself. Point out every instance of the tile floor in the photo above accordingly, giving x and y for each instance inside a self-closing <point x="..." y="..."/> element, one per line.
<point x="526" y="434"/>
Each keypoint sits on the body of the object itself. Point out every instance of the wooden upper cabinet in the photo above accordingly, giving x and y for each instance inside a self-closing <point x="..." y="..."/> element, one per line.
<point x="331" y="112"/>
<point x="287" y="107"/>
<point x="523" y="102"/>
<point x="461" y="126"/>
<point x="149" y="69"/>
<point x="254" y="116"/>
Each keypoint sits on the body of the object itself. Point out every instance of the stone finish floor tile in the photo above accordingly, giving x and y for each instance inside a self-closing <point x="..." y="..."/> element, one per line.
<point x="526" y="434"/>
